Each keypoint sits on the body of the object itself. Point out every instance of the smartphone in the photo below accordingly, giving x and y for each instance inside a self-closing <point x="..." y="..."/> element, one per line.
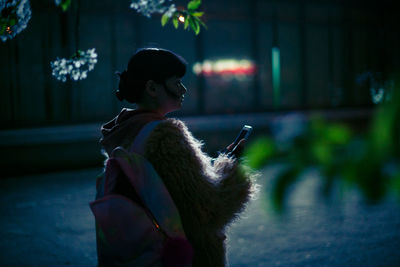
<point x="244" y="133"/>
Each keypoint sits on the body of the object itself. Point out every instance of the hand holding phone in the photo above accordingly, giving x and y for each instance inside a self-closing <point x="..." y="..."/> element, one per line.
<point x="234" y="149"/>
<point x="244" y="134"/>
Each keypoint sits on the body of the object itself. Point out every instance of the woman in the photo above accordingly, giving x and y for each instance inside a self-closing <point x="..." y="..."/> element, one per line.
<point x="207" y="193"/>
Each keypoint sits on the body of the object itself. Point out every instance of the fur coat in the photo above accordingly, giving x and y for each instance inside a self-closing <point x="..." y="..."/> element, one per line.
<point x="209" y="193"/>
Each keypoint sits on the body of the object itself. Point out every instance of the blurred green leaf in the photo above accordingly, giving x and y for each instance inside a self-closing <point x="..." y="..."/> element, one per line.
<point x="197" y="14"/>
<point x="338" y="134"/>
<point x="385" y="130"/>
<point x="197" y="29"/>
<point x="283" y="181"/>
<point x="175" y="22"/>
<point x="164" y="19"/>
<point x="381" y="133"/>
<point x="192" y="24"/>
<point x="65" y="4"/>
<point x="194" y="4"/>
<point x="322" y="152"/>
<point x="199" y="22"/>
<point x="186" y="22"/>
<point x="202" y="24"/>
<point x="259" y="152"/>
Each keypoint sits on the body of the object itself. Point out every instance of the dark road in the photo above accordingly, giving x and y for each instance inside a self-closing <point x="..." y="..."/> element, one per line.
<point x="46" y="221"/>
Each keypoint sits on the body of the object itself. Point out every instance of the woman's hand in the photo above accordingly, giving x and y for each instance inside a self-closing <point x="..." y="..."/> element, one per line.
<point x="236" y="150"/>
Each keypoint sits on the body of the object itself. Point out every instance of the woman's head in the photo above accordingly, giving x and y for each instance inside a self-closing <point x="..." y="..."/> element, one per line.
<point x="149" y="68"/>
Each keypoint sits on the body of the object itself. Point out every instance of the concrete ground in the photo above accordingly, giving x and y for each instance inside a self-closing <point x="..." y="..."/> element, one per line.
<point x="45" y="221"/>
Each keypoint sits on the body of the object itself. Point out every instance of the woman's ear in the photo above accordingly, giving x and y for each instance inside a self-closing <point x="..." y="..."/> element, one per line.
<point x="150" y="88"/>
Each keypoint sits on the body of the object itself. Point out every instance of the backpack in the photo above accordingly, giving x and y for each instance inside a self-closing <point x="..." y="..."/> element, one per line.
<point x="142" y="231"/>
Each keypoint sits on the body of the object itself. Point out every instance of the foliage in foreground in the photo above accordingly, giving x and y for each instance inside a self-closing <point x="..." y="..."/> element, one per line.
<point x="369" y="162"/>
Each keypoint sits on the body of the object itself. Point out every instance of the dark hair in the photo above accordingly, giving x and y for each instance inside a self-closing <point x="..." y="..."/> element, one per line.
<point x="148" y="64"/>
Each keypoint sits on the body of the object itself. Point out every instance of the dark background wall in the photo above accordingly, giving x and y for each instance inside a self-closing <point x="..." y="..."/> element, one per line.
<point x="324" y="46"/>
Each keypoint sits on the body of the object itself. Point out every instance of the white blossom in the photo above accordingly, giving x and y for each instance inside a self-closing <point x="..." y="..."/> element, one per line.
<point x="380" y="89"/>
<point x="377" y="95"/>
<point x="148" y="7"/>
<point x="17" y="11"/>
<point x="171" y="10"/>
<point x="75" y="68"/>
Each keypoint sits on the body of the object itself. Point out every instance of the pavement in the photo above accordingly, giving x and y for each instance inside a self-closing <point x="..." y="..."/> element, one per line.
<point x="45" y="220"/>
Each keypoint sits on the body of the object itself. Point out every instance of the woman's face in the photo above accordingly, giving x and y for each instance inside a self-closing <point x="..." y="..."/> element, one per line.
<point x="171" y="94"/>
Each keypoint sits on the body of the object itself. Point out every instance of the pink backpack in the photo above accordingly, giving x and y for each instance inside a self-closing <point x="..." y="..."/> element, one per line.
<point x="147" y="232"/>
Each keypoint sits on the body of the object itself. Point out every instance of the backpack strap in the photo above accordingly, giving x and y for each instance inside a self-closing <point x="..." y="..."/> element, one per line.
<point x="148" y="184"/>
<point x="150" y="188"/>
<point x="140" y="139"/>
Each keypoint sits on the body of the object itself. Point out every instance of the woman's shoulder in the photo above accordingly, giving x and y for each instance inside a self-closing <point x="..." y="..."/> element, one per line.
<point x="172" y="125"/>
<point x="173" y="122"/>
<point x="170" y="132"/>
